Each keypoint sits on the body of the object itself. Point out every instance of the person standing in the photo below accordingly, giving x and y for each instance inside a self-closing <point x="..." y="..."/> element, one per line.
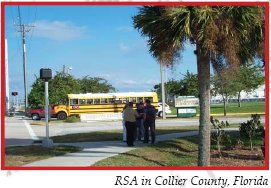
<point x="123" y="125"/>
<point x="149" y="123"/>
<point x="140" y="122"/>
<point x="129" y="117"/>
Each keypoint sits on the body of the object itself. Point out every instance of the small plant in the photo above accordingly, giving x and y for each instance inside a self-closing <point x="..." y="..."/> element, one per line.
<point x="240" y="142"/>
<point x="72" y="119"/>
<point x="219" y="136"/>
<point x="251" y="128"/>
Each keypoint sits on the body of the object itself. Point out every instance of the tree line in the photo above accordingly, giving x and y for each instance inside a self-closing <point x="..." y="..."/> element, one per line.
<point x="62" y="84"/>
<point x="226" y="83"/>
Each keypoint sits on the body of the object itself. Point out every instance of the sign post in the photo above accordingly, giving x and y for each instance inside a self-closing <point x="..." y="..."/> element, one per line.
<point x="186" y="106"/>
<point x="46" y="74"/>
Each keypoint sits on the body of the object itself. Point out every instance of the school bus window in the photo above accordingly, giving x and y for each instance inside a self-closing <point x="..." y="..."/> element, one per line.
<point x="73" y="101"/>
<point x="89" y="101"/>
<point x="125" y="100"/>
<point x="111" y="101"/>
<point x="133" y="99"/>
<point x="82" y="101"/>
<point x="140" y="99"/>
<point x="104" y="101"/>
<point x="118" y="101"/>
<point x="96" y="101"/>
<point x="150" y="98"/>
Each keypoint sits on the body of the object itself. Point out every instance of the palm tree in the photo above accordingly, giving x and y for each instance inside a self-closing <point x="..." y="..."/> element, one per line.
<point x="230" y="33"/>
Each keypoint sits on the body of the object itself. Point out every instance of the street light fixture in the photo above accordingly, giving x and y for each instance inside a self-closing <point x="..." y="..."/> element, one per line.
<point x="69" y="69"/>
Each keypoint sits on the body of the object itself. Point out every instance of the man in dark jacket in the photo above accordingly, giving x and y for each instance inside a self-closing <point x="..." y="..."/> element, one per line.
<point x="149" y="123"/>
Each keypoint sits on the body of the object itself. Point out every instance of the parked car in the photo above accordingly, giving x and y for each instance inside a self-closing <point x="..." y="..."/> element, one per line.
<point x="160" y="109"/>
<point x="39" y="112"/>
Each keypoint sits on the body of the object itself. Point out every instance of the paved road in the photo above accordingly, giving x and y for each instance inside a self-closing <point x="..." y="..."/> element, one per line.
<point x="21" y="131"/>
<point x="17" y="132"/>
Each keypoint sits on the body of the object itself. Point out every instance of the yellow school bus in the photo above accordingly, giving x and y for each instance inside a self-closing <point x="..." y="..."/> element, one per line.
<point x="101" y="103"/>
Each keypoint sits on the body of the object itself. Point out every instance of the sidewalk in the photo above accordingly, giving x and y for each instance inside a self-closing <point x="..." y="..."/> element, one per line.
<point x="93" y="152"/>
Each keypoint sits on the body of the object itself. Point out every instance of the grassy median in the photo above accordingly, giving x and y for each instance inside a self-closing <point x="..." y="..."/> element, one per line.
<point x="22" y="155"/>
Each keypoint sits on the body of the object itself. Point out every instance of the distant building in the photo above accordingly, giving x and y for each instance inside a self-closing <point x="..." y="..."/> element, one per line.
<point x="256" y="95"/>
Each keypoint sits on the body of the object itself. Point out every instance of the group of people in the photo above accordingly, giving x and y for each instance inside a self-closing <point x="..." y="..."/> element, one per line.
<point x="137" y="123"/>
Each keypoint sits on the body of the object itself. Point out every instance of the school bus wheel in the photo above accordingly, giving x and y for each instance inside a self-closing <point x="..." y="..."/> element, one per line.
<point x="61" y="116"/>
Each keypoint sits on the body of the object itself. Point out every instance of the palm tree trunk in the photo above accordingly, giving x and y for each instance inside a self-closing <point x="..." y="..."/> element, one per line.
<point x="225" y="105"/>
<point x="163" y="90"/>
<point x="239" y="99"/>
<point x="204" y="100"/>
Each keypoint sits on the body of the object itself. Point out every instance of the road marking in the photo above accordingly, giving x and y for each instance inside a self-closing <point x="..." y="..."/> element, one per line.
<point x="30" y="130"/>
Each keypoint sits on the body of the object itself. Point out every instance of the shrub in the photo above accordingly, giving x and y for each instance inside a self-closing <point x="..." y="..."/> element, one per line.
<point x="219" y="136"/>
<point x="251" y="128"/>
<point x="72" y="119"/>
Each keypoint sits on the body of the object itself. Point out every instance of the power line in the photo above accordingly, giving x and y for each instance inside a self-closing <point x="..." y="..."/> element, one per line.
<point x="32" y="31"/>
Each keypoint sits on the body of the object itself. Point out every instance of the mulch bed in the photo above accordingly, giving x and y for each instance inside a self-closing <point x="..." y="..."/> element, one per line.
<point x="239" y="156"/>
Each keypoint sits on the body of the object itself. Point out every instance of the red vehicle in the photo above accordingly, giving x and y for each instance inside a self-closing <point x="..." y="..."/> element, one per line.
<point x="38" y="113"/>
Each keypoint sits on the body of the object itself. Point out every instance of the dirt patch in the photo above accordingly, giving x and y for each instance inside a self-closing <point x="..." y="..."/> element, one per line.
<point x="239" y="156"/>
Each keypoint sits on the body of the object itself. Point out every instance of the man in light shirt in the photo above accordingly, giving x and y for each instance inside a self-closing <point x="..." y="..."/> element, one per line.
<point x="129" y="117"/>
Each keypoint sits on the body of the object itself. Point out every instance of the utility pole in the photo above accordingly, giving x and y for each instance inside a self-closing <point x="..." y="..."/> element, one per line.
<point x="24" y="67"/>
<point x="23" y="30"/>
<point x="7" y="79"/>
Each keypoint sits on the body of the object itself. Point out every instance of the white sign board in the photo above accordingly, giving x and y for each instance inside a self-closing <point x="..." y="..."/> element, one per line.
<point x="186" y="111"/>
<point x="186" y="102"/>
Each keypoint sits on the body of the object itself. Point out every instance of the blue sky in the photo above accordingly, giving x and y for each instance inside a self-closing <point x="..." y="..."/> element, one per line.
<point x="93" y="40"/>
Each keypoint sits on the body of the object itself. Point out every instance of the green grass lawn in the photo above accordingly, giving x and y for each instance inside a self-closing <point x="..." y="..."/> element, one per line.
<point x="21" y="155"/>
<point x="248" y="107"/>
<point x="177" y="152"/>
<point x="114" y="134"/>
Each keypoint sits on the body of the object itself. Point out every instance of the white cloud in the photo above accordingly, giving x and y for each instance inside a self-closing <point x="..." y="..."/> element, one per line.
<point x="151" y="82"/>
<point x="58" y="30"/>
<point x="124" y="29"/>
<point x="135" y="82"/>
<point x="123" y="47"/>
<point x="129" y="82"/>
